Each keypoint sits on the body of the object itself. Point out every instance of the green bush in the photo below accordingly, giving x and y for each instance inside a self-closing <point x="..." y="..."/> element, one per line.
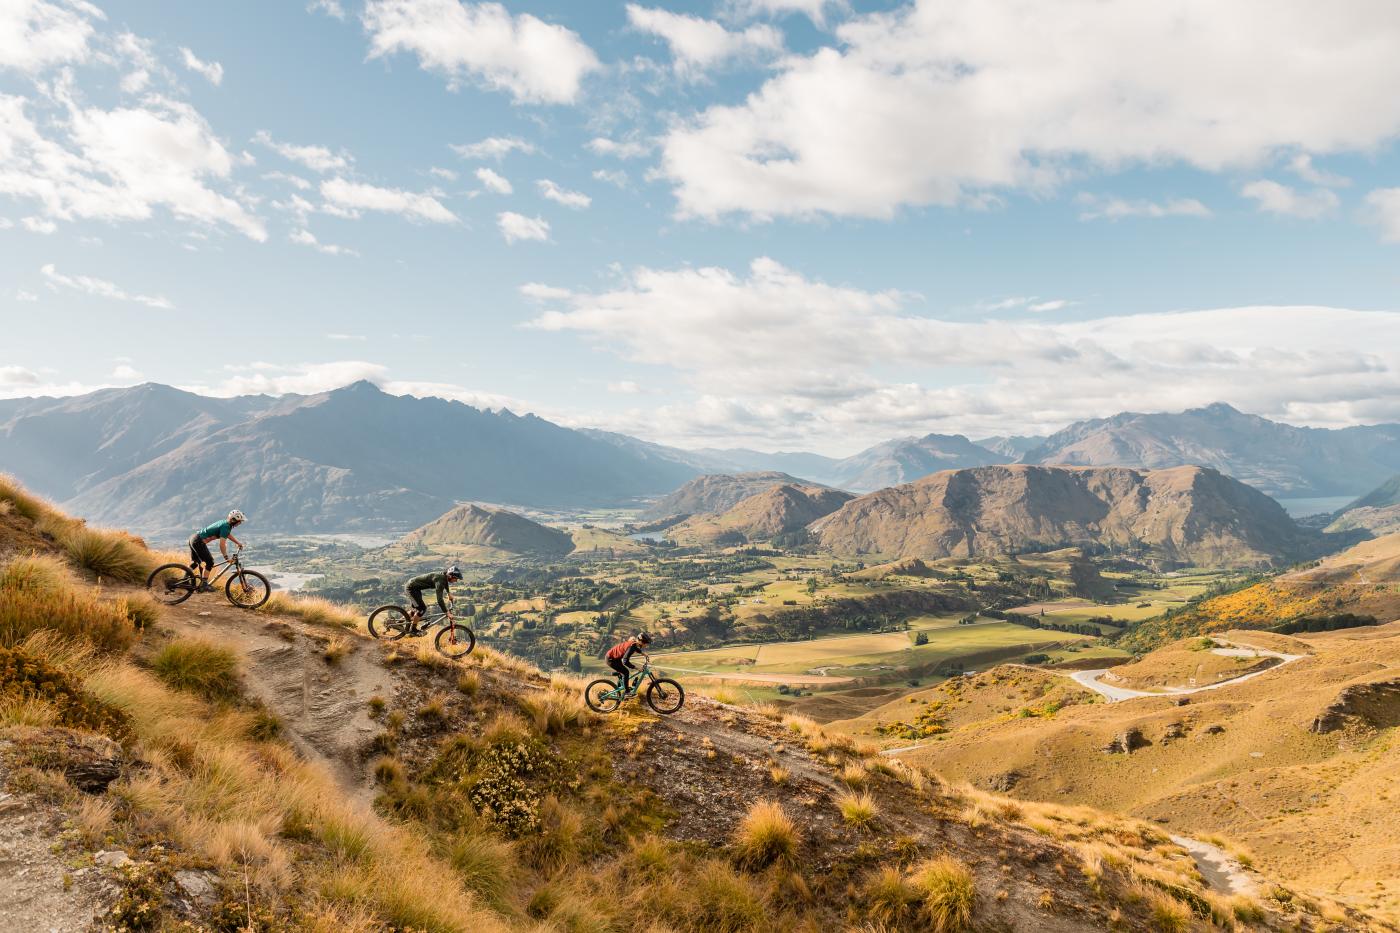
<point x="27" y="679"/>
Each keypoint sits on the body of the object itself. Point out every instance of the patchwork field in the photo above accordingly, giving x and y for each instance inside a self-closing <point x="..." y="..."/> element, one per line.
<point x="873" y="654"/>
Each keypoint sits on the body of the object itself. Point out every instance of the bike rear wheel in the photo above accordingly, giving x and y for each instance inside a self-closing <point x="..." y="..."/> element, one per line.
<point x="665" y="696"/>
<point x="247" y="589"/>
<point x="454" y="641"/>
<point x="602" y="696"/>
<point x="389" y="622"/>
<point x="171" y="584"/>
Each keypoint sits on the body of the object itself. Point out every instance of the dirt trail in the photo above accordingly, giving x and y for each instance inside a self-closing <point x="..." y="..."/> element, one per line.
<point x="323" y="706"/>
<point x="1090" y="678"/>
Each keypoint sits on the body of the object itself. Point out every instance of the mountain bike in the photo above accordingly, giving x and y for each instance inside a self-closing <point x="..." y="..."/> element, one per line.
<point x="172" y="584"/>
<point x="454" y="640"/>
<point x="663" y="694"/>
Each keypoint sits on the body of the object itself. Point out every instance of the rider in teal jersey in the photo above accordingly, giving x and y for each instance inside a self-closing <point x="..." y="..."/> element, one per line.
<point x="201" y="560"/>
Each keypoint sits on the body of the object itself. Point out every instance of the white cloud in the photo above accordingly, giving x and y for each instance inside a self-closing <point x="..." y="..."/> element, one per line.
<point x="331" y="8"/>
<point x="101" y="288"/>
<point x="699" y="44"/>
<point x="516" y="227"/>
<point x="535" y="61"/>
<point x="1274" y="198"/>
<point x="349" y="198"/>
<point x="356" y="337"/>
<point x="296" y="181"/>
<point x="446" y="174"/>
<point x="22" y="295"/>
<point x="1096" y="207"/>
<point x="18" y="376"/>
<point x="814" y="9"/>
<point x="126" y="373"/>
<point x="38" y="225"/>
<point x="212" y="72"/>
<point x="620" y="149"/>
<point x="616" y="178"/>
<point x="538" y="291"/>
<point x="625" y="387"/>
<point x="316" y="158"/>
<point x="552" y="192"/>
<point x="1055" y="304"/>
<point x="35" y="34"/>
<point x="119" y="164"/>
<point x="940" y="99"/>
<point x="493" y="147"/>
<point x="493" y="182"/>
<point x="307" y="238"/>
<point x="861" y="365"/>
<point x="1383" y="209"/>
<point x="1302" y="166"/>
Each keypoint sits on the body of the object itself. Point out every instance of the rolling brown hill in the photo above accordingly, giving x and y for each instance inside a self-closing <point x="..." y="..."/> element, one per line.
<point x="717" y="492"/>
<point x="1188" y="515"/>
<point x="1377" y="512"/>
<point x="1297" y="765"/>
<point x="474" y="526"/>
<point x="765" y="515"/>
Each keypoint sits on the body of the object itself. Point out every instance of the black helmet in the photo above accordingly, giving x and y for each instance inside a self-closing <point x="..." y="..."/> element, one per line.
<point x="644" y="637"/>
<point x="454" y="572"/>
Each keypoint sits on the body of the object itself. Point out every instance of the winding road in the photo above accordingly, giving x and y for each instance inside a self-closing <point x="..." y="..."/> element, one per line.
<point x="1090" y="679"/>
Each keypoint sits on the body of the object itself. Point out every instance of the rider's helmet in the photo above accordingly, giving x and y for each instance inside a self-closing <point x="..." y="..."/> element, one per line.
<point x="236" y="516"/>
<point x="454" y="572"/>
<point x="644" y="637"/>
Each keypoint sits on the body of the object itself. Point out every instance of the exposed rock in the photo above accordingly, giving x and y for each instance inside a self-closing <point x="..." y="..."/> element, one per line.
<point x="1125" y="742"/>
<point x="1214" y="729"/>
<point x="113" y="859"/>
<point x="89" y="762"/>
<point x="1183" y="701"/>
<point x="1375" y="705"/>
<point x="196" y="886"/>
<point x="1175" y="730"/>
<point x="1001" y="783"/>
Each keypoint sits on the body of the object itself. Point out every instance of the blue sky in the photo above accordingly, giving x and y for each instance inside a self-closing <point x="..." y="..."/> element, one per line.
<point x="775" y="223"/>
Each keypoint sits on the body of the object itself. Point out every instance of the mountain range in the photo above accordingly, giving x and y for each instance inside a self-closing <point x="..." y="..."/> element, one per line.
<point x="1190" y="515"/>
<point x="473" y="526"/>
<point x="778" y="510"/>
<point x="162" y="460"/>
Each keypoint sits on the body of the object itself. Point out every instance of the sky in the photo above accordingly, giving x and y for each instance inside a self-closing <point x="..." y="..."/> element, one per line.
<point x="777" y="224"/>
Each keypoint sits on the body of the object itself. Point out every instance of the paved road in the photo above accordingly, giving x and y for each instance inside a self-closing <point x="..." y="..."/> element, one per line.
<point x="1114" y="694"/>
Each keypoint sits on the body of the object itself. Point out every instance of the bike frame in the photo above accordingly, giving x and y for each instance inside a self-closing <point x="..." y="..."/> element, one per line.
<point x="634" y="684"/>
<point x="440" y="616"/>
<point x="222" y="567"/>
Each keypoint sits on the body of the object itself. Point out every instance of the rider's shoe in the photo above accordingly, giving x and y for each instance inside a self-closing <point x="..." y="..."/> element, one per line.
<point x="204" y="588"/>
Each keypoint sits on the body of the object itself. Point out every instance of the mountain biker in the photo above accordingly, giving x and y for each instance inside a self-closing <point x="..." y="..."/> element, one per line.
<point x="201" y="560"/>
<point x="620" y="660"/>
<point x="439" y="581"/>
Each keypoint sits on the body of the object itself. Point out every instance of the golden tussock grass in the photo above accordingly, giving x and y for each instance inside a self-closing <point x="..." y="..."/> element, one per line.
<point x="765" y="836"/>
<point x="555" y="710"/>
<point x="469" y="682"/>
<point x="313" y="610"/>
<point x="889" y="897"/>
<point x="947" y="894"/>
<point x="779" y="775"/>
<point x="37" y="594"/>
<point x="202" y="667"/>
<point x="859" y="810"/>
<point x="109" y="555"/>
<point x="23" y="502"/>
<point x="855" y="775"/>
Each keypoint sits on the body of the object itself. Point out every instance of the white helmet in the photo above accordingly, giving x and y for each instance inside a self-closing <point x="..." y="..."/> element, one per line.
<point x="237" y="516"/>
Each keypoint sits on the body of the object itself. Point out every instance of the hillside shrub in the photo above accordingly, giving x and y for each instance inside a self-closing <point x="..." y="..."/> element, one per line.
<point x="1330" y="623"/>
<point x="200" y="667"/>
<point x="27" y="681"/>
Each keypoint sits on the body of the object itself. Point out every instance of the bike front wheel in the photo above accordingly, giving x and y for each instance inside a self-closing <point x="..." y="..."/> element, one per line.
<point x="389" y="623"/>
<point x="247" y="589"/>
<point x="171" y="584"/>
<point x="454" y="641"/>
<point x="602" y="696"/>
<point x="665" y="696"/>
